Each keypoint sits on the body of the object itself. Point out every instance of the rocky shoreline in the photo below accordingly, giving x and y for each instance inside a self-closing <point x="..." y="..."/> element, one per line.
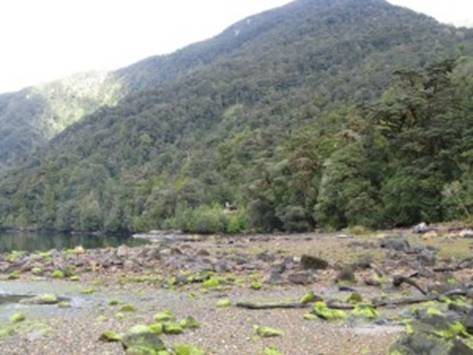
<point x="401" y="279"/>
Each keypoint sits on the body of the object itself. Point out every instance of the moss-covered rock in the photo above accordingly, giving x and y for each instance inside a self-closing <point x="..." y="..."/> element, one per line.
<point x="119" y="315"/>
<point x="14" y="275"/>
<point x="184" y="349"/>
<point x="156" y="328"/>
<point x="17" y="317"/>
<point x="172" y="328"/>
<point x="6" y="331"/>
<point x="310" y="316"/>
<point x="45" y="299"/>
<point x="141" y="341"/>
<point x="309" y="297"/>
<point x="110" y="336"/>
<point x="354" y="298"/>
<point x="271" y="351"/>
<point x="224" y="303"/>
<point x="164" y="316"/>
<point x="266" y="332"/>
<point x="211" y="283"/>
<point x="57" y="274"/>
<point x="434" y="334"/>
<point x="256" y="285"/>
<point x="321" y="310"/>
<point x="127" y="308"/>
<point x="37" y="271"/>
<point x="88" y="291"/>
<point x="365" y="311"/>
<point x="189" y="323"/>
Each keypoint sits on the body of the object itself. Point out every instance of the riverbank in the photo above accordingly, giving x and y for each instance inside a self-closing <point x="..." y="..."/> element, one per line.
<point x="220" y="282"/>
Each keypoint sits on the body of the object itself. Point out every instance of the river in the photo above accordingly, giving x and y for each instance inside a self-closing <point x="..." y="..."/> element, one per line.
<point x="43" y="241"/>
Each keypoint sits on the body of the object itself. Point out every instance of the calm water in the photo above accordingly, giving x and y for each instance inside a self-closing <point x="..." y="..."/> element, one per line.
<point x="43" y="241"/>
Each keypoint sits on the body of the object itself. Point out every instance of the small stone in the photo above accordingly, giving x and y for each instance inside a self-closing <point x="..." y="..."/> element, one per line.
<point x="346" y="275"/>
<point x="300" y="278"/>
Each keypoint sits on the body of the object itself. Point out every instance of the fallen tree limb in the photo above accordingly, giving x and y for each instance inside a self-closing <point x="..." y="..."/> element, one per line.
<point x="341" y="306"/>
<point x="403" y="301"/>
<point x="399" y="280"/>
<point x="376" y="303"/>
<point x="271" y="305"/>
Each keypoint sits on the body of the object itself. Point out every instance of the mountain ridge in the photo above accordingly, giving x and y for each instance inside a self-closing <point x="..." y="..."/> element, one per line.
<point x="220" y="121"/>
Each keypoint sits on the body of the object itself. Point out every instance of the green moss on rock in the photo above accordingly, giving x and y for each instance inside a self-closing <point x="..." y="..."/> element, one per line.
<point x="321" y="310"/>
<point x="266" y="332"/>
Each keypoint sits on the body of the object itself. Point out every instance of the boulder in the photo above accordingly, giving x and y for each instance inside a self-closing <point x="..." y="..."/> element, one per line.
<point x="397" y="243"/>
<point x="425" y="344"/>
<point x="433" y="334"/>
<point x="309" y="262"/>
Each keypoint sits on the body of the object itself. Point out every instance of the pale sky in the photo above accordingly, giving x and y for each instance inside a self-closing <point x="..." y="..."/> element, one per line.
<point x="43" y="40"/>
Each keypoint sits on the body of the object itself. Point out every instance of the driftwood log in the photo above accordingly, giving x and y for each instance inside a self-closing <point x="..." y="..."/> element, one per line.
<point x="271" y="305"/>
<point x="376" y="303"/>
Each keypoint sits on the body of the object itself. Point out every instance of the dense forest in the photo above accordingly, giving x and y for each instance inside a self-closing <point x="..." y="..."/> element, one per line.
<point x="318" y="114"/>
<point x="31" y="117"/>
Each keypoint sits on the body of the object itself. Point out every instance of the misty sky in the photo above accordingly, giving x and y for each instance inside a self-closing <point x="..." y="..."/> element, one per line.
<point x="49" y="39"/>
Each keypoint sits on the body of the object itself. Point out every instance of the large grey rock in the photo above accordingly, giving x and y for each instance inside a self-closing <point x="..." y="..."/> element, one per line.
<point x="425" y="344"/>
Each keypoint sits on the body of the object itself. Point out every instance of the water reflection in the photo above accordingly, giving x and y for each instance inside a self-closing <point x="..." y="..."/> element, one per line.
<point x="43" y="241"/>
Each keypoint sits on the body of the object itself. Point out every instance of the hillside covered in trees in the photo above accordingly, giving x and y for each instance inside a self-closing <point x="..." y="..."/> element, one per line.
<point x="31" y="117"/>
<point x="320" y="113"/>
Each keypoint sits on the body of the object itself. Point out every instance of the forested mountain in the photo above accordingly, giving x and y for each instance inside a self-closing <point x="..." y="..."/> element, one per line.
<point x="31" y="117"/>
<point x="320" y="113"/>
